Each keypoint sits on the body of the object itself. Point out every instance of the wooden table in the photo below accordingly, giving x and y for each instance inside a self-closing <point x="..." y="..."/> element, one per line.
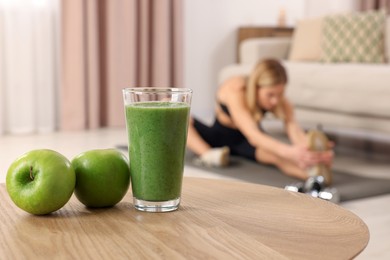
<point x="217" y="219"/>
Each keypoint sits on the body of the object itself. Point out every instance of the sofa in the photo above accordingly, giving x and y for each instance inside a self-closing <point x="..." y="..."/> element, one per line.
<point x="339" y="93"/>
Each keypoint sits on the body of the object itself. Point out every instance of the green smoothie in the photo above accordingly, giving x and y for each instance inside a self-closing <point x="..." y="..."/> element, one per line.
<point x="157" y="134"/>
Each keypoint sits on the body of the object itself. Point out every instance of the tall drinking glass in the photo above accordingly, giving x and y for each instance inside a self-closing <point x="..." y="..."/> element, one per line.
<point x="157" y="124"/>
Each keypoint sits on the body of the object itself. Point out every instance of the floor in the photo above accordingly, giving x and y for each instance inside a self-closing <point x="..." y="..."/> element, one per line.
<point x="375" y="211"/>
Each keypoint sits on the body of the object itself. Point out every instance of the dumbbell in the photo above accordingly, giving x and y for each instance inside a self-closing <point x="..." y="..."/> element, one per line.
<point x="329" y="194"/>
<point x="315" y="183"/>
<point x="295" y="187"/>
<point x="315" y="187"/>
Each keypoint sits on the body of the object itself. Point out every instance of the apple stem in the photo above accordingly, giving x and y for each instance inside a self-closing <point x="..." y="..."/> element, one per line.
<point x="31" y="173"/>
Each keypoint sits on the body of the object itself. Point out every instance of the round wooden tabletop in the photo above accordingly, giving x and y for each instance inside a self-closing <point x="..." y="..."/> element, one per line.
<point x="217" y="219"/>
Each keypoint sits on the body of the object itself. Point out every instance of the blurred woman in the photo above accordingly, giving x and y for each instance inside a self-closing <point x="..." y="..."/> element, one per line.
<point x="241" y="103"/>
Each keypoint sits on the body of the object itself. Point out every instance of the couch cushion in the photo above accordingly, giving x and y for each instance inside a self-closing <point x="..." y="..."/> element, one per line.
<point x="254" y="49"/>
<point x="355" y="89"/>
<point x="306" y="43"/>
<point x="235" y="70"/>
<point x="356" y="37"/>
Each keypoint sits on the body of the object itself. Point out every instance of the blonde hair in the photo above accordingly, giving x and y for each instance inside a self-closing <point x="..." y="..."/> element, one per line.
<point x="267" y="73"/>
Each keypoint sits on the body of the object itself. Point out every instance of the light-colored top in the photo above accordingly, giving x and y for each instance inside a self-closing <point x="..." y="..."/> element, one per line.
<point x="218" y="219"/>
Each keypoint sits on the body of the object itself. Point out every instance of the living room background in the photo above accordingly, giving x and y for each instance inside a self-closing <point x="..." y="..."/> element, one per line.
<point x="210" y="42"/>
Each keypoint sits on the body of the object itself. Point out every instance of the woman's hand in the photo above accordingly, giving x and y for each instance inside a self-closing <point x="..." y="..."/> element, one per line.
<point x="304" y="158"/>
<point x="326" y="157"/>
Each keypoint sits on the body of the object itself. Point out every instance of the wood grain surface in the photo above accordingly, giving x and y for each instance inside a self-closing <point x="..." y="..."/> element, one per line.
<point x="217" y="219"/>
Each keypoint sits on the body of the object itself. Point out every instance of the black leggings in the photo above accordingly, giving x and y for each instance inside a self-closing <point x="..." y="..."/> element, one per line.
<point x="219" y="135"/>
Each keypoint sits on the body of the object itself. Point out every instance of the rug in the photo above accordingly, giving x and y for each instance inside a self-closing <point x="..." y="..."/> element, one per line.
<point x="349" y="186"/>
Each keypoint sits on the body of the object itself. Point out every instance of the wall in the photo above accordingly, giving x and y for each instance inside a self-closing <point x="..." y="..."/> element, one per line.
<point x="210" y="36"/>
<point x="315" y="8"/>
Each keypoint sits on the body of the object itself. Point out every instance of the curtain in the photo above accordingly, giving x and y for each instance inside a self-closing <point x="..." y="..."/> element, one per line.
<point x="28" y="66"/>
<point x="110" y="45"/>
<point x="374" y="4"/>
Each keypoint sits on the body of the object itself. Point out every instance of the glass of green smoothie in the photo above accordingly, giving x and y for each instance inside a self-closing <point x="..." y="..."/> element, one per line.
<point x="157" y="124"/>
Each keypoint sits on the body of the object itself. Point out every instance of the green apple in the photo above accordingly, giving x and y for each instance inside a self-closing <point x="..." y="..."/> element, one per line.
<point x="40" y="181"/>
<point x="102" y="177"/>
